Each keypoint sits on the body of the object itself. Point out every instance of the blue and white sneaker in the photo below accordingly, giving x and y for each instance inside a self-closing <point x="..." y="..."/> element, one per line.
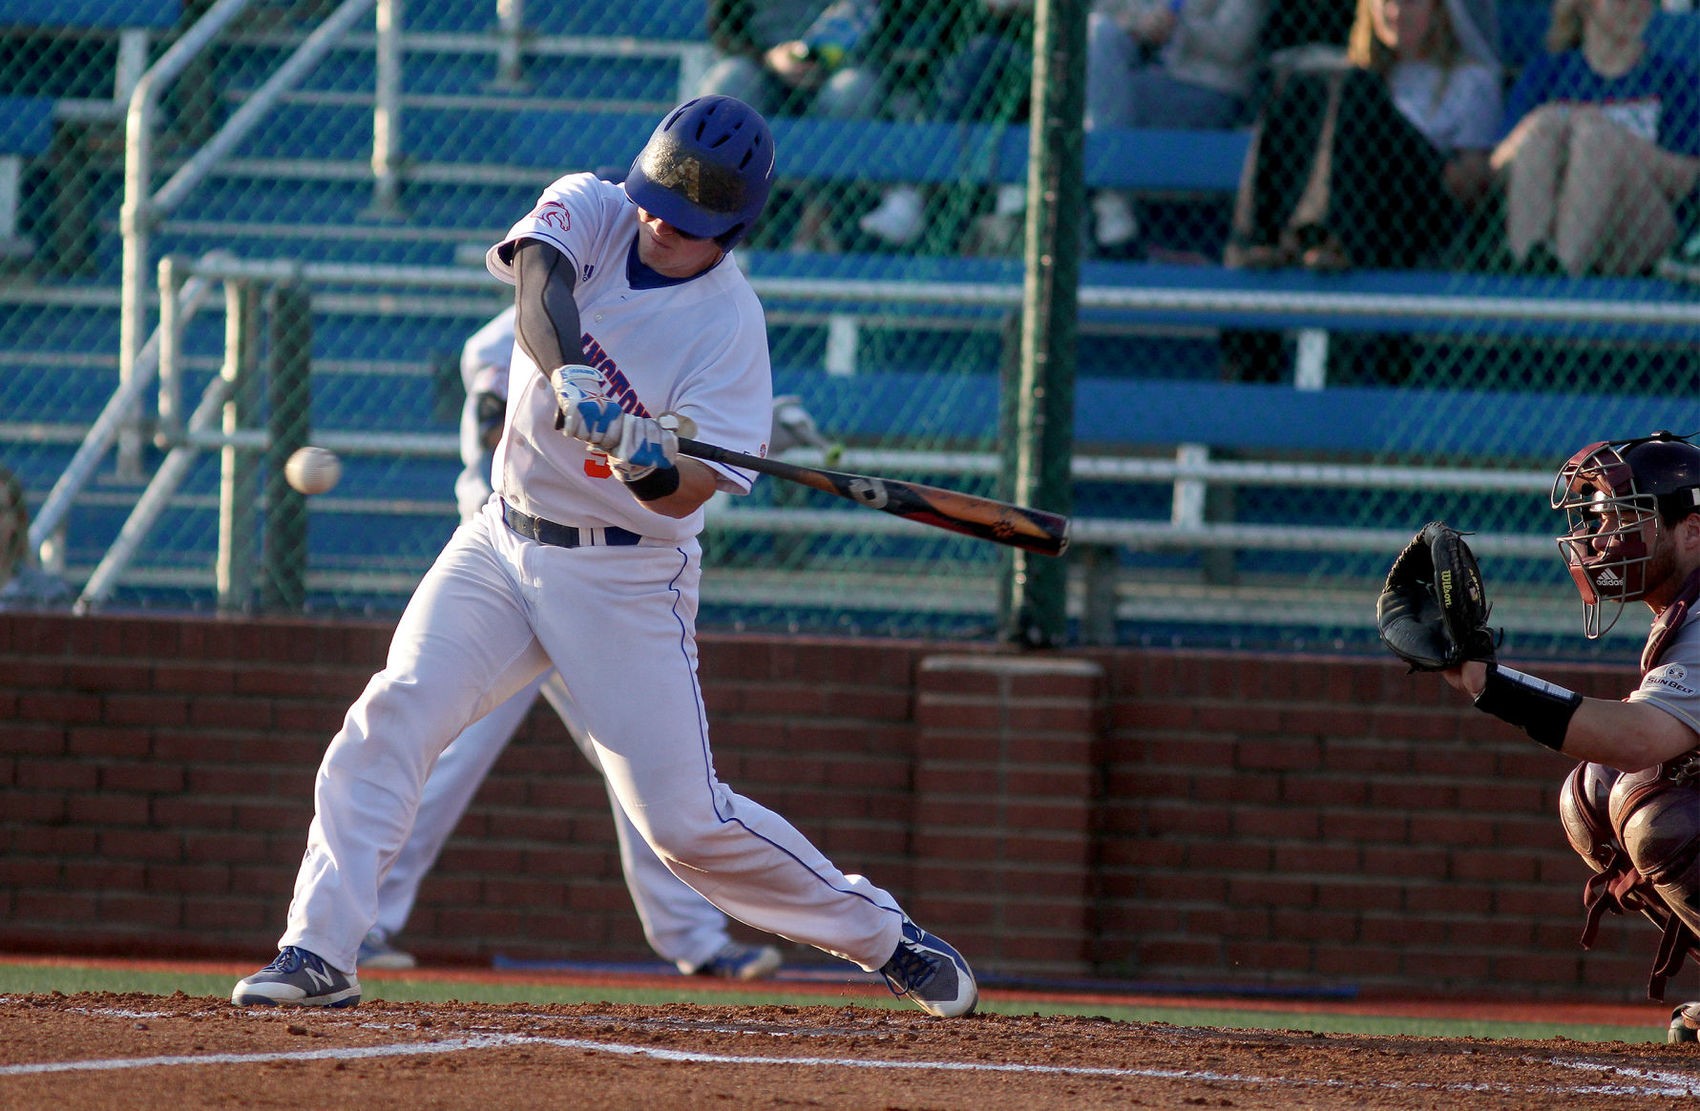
<point x="299" y="978"/>
<point x="931" y="974"/>
<point x="741" y="962"/>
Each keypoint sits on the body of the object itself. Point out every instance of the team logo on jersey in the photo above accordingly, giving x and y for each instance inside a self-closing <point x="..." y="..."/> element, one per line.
<point x="1671" y="676"/>
<point x="556" y="215"/>
<point x="616" y="387"/>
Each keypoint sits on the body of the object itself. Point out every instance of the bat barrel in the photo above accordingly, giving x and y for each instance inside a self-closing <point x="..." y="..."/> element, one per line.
<point x="1034" y="530"/>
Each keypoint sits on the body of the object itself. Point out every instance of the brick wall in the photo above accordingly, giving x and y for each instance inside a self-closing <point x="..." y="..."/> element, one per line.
<point x="1242" y="820"/>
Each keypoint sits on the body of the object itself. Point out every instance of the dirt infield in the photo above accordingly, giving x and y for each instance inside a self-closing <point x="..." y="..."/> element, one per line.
<point x="102" y="1050"/>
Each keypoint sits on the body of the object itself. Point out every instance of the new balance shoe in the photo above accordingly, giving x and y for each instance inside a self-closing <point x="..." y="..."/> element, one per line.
<point x="377" y="952"/>
<point x="931" y="974"/>
<point x="741" y="962"/>
<point x="299" y="978"/>
<point x="1684" y="1024"/>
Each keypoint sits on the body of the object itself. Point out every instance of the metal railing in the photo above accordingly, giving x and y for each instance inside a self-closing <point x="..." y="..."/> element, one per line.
<point x="144" y="208"/>
<point x="187" y="286"/>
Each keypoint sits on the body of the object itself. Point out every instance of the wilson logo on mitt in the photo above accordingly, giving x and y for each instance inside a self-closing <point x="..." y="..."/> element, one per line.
<point x="1433" y="608"/>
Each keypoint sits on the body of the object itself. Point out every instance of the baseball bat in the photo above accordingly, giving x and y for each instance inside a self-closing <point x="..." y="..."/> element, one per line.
<point x="1033" y="530"/>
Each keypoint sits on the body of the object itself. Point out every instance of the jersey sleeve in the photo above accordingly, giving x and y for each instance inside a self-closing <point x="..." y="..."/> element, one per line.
<point x="1674" y="685"/>
<point x="565" y="217"/>
<point x="1529" y="92"/>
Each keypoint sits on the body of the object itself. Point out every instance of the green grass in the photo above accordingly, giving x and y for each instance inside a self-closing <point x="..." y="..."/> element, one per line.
<point x="24" y="978"/>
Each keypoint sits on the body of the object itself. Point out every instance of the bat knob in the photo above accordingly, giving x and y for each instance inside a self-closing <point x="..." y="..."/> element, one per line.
<point x="678" y="424"/>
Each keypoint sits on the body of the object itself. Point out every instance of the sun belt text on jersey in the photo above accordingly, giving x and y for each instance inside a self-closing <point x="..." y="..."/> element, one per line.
<point x="708" y="362"/>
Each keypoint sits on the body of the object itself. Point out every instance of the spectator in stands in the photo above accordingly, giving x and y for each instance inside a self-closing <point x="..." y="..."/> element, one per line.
<point x="23" y="584"/>
<point x="1601" y="152"/>
<point x="1165" y="63"/>
<point x="792" y="57"/>
<point x="14" y="525"/>
<point x="955" y="61"/>
<point x="1375" y="158"/>
<point x="796" y="58"/>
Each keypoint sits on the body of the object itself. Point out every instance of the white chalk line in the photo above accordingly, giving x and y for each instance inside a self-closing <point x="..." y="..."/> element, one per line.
<point x="1653" y="1082"/>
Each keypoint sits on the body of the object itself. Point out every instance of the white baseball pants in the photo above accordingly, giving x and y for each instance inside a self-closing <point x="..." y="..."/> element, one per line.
<point x="680" y="925"/>
<point x="619" y="624"/>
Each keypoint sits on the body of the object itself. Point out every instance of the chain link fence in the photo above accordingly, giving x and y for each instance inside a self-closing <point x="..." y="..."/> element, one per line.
<point x="1265" y="411"/>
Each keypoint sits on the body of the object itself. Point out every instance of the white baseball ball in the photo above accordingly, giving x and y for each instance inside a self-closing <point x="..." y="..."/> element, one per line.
<point x="313" y="470"/>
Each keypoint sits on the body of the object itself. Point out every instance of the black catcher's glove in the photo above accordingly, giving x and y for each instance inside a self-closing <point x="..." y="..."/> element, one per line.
<point x="1433" y="609"/>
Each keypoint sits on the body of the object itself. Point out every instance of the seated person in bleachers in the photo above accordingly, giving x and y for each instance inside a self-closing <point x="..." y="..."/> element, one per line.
<point x="1601" y="153"/>
<point x="1169" y="64"/>
<point x="796" y="58"/>
<point x="1374" y="159"/>
<point x="792" y="57"/>
<point x="955" y="61"/>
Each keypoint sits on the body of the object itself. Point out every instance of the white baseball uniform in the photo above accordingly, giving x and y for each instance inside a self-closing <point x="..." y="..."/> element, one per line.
<point x="680" y="924"/>
<point x="615" y="615"/>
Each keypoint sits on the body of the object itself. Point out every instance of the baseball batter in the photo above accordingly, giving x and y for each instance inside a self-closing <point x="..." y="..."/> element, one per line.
<point x="629" y="308"/>
<point x="680" y="924"/>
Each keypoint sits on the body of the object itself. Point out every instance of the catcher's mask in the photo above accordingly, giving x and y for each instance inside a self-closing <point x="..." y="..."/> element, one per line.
<point x="1616" y="495"/>
<point x="706" y="170"/>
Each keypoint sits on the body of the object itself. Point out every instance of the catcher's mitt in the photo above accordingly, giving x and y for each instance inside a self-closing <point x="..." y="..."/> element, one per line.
<point x="1433" y="609"/>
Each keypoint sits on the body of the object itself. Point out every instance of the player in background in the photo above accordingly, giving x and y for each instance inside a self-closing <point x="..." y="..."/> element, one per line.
<point x="680" y="925"/>
<point x="630" y="311"/>
<point x="1633" y="510"/>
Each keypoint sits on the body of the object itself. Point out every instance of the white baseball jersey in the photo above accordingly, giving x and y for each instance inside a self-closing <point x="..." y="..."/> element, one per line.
<point x="707" y="359"/>
<point x="485" y="356"/>
<point x="484" y="362"/>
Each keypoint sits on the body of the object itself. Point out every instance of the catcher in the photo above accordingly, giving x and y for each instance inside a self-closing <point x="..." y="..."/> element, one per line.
<point x="1631" y="807"/>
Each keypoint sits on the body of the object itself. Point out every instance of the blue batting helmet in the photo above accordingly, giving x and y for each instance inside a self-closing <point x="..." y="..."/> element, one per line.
<point x="707" y="169"/>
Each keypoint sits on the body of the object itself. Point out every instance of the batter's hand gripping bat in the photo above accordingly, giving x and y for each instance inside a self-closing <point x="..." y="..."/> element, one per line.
<point x="1033" y="530"/>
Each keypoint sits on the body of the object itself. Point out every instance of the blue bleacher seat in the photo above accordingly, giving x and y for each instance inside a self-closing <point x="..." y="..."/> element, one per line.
<point x="26" y="124"/>
<point x="156" y="14"/>
<point x="665" y="20"/>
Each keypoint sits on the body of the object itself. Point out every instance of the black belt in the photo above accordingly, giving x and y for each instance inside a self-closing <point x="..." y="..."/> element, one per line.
<point x="566" y="536"/>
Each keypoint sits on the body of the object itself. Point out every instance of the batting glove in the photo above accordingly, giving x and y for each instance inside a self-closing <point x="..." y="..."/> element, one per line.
<point x="644" y="447"/>
<point x="636" y="445"/>
<point x="574" y="383"/>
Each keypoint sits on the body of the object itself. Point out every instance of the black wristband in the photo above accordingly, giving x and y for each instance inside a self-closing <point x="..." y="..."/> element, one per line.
<point x="655" y="485"/>
<point x="1541" y="709"/>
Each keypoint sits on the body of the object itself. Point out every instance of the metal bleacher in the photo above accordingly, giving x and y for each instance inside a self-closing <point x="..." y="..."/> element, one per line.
<point x="489" y="116"/>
